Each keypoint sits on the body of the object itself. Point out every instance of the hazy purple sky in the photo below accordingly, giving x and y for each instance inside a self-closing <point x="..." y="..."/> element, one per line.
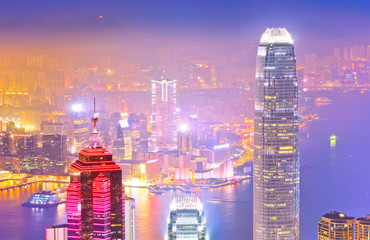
<point x="314" y="24"/>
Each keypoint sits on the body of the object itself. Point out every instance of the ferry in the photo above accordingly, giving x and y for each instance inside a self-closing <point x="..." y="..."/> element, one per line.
<point x="46" y="199"/>
<point x="43" y="199"/>
<point x="185" y="189"/>
<point x="155" y="190"/>
<point x="323" y="100"/>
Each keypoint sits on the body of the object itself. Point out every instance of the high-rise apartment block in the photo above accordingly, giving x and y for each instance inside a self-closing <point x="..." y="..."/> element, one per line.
<point x="363" y="228"/>
<point x="164" y="114"/>
<point x="335" y="226"/>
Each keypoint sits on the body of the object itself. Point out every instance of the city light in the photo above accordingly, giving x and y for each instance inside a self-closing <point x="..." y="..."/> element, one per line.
<point x="184" y="128"/>
<point x="184" y="110"/>
<point x="151" y="161"/>
<point x="123" y="123"/>
<point x="222" y="146"/>
<point x="142" y="168"/>
<point x="77" y="108"/>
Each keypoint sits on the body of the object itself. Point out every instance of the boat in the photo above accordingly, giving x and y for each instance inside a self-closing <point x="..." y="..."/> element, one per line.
<point x="45" y="199"/>
<point x="155" y="190"/>
<point x="333" y="140"/>
<point x="185" y="189"/>
<point x="323" y="100"/>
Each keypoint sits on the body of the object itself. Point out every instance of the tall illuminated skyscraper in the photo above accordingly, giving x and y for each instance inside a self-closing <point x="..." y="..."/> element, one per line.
<point x="164" y="113"/>
<point x="276" y="156"/>
<point x="94" y="196"/>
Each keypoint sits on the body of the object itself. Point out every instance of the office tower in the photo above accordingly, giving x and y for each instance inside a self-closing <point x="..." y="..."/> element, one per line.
<point x="55" y="88"/>
<point x="335" y="226"/>
<point x="363" y="228"/>
<point x="338" y="58"/>
<point x="94" y="196"/>
<point x="300" y="79"/>
<point x="138" y="123"/>
<point x="186" y="220"/>
<point x="129" y="218"/>
<point x="80" y="128"/>
<point x="184" y="142"/>
<point x="54" y="150"/>
<point x="50" y="128"/>
<point x="194" y="129"/>
<point x="139" y="128"/>
<point x="24" y="144"/>
<point x="276" y="158"/>
<point x="123" y="144"/>
<point x="164" y="114"/>
<point x="119" y="145"/>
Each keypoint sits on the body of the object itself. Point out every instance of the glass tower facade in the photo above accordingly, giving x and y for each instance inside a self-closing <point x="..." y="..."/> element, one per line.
<point x="276" y="155"/>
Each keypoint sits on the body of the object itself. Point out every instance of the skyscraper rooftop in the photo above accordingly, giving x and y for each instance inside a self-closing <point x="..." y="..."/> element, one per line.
<point x="276" y="35"/>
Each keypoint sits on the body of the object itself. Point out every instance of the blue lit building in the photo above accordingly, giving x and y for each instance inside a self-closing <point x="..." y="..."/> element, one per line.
<point x="186" y="220"/>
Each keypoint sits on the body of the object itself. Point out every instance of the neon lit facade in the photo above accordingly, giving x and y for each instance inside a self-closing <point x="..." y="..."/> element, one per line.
<point x="164" y="114"/>
<point x="101" y="207"/>
<point x="101" y="193"/>
<point x="276" y="156"/>
<point x="74" y="210"/>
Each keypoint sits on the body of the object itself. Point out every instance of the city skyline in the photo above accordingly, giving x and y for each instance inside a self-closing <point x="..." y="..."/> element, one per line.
<point x="217" y="120"/>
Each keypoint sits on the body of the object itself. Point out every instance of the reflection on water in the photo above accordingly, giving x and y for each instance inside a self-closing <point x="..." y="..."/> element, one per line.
<point x="228" y="210"/>
<point x="32" y="220"/>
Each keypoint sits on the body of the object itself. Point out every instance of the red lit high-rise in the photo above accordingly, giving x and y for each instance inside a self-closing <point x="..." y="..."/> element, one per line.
<point x="94" y="196"/>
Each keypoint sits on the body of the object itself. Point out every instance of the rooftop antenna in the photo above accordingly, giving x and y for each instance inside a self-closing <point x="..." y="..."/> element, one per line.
<point x="95" y="119"/>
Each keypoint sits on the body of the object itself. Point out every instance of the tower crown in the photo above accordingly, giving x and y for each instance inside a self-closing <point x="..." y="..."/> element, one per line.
<point x="276" y="35"/>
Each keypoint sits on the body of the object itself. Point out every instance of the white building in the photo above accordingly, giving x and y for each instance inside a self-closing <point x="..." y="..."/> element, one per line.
<point x="129" y="218"/>
<point x="57" y="232"/>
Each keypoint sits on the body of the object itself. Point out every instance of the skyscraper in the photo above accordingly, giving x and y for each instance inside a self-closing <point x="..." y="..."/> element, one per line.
<point x="276" y="157"/>
<point x="123" y="145"/>
<point x="80" y="128"/>
<point x="164" y="114"/>
<point x="335" y="226"/>
<point x="54" y="149"/>
<point x="184" y="142"/>
<point x="139" y="128"/>
<point x="94" y="196"/>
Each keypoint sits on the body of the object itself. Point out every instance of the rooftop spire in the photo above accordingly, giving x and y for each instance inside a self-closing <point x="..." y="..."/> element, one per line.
<point x="95" y="119"/>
